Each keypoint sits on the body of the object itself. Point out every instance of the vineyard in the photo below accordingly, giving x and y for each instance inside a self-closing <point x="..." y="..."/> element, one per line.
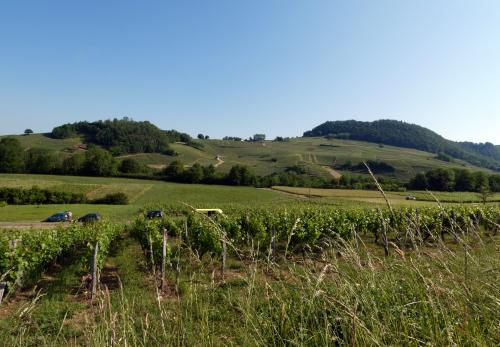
<point x="285" y="272"/>
<point x="299" y="229"/>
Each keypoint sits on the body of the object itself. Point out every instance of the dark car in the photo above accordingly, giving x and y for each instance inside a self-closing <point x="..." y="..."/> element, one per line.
<point x="90" y="217"/>
<point x="155" y="214"/>
<point x="57" y="217"/>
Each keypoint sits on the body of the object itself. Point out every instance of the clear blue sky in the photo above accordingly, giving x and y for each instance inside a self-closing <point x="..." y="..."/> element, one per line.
<point x="242" y="67"/>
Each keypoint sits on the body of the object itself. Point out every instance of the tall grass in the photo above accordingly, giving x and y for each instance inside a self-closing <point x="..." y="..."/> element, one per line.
<point x="349" y="297"/>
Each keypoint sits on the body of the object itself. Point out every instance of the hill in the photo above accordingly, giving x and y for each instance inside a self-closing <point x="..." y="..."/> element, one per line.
<point x="313" y="155"/>
<point x="407" y="135"/>
<point x="122" y="136"/>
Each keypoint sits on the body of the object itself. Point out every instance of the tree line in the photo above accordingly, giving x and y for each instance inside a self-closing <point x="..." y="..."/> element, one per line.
<point x="455" y="180"/>
<point x="36" y="195"/>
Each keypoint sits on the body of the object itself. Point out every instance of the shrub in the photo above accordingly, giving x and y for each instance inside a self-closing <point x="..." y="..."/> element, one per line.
<point x="112" y="199"/>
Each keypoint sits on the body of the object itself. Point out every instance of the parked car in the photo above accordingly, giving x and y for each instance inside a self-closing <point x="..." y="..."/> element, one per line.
<point x="210" y="211"/>
<point x="411" y="197"/>
<point x="90" y="217"/>
<point x="57" y="217"/>
<point x="155" y="214"/>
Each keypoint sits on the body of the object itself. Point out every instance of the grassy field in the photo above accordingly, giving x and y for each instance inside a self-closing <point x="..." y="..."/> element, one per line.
<point x="396" y="198"/>
<point x="143" y="193"/>
<point x="140" y="192"/>
<point x="317" y="155"/>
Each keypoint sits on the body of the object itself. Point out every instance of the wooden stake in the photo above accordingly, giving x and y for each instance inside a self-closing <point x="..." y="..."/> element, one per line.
<point x="151" y="256"/>
<point x="273" y="244"/>
<point x="223" y="260"/>
<point x="94" y="270"/>
<point x="3" y="285"/>
<point x="163" y="259"/>
<point x="384" y="233"/>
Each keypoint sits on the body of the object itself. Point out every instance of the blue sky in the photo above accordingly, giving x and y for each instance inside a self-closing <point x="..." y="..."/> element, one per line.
<point x="242" y="67"/>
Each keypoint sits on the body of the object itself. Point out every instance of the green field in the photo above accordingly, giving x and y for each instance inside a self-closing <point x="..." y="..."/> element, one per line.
<point x="395" y="198"/>
<point x="140" y="192"/>
<point x="144" y="193"/>
<point x="317" y="155"/>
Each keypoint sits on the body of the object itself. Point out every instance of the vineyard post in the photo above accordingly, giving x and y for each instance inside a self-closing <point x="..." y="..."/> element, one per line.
<point x="3" y="285"/>
<point x="223" y="260"/>
<point x="274" y="244"/>
<point x="163" y="259"/>
<point x="151" y="256"/>
<point x="384" y="233"/>
<point x="186" y="230"/>
<point x="94" y="270"/>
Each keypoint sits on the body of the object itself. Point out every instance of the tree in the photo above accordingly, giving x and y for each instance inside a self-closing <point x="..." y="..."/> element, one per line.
<point x="463" y="181"/>
<point x="441" y="180"/>
<point x="485" y="193"/>
<point x="131" y="166"/>
<point x="207" y="137"/>
<point x="209" y="173"/>
<point x="201" y="136"/>
<point x="99" y="162"/>
<point x="240" y="175"/>
<point x="175" y="170"/>
<point x="194" y="174"/>
<point x="479" y="180"/>
<point x="40" y="160"/>
<point x="419" y="182"/>
<point x="28" y="132"/>
<point x="11" y="155"/>
<point x="74" y="165"/>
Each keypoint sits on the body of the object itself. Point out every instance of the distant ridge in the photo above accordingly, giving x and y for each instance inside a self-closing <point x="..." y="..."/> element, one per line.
<point x="401" y="134"/>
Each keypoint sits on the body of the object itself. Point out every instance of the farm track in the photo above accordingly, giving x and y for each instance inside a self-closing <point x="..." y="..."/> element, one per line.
<point x="332" y="172"/>
<point x="29" y="225"/>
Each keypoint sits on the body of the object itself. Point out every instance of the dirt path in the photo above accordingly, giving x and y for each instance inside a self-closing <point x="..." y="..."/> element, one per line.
<point x="219" y="162"/>
<point x="295" y="195"/>
<point x="28" y="225"/>
<point x="332" y="172"/>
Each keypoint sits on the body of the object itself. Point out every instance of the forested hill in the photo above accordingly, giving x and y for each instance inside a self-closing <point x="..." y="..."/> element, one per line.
<point x="401" y="134"/>
<point x="122" y="136"/>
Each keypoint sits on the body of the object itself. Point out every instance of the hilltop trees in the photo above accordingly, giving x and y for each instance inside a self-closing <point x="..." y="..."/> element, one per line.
<point x="28" y="132"/>
<point x="401" y="134"/>
<point x="123" y="135"/>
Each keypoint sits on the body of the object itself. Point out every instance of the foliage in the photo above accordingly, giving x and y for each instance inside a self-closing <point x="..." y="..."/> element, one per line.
<point x="112" y="199"/>
<point x="459" y="180"/>
<point x="131" y="166"/>
<point x="40" y="160"/>
<point x="122" y="135"/>
<point x="99" y="162"/>
<point x="401" y="134"/>
<point x="35" y="250"/>
<point x="35" y="196"/>
<point x="11" y="155"/>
